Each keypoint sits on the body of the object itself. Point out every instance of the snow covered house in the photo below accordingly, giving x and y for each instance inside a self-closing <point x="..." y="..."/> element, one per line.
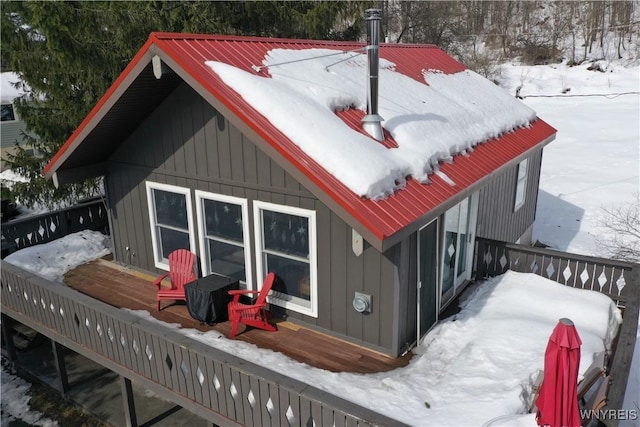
<point x="360" y="175"/>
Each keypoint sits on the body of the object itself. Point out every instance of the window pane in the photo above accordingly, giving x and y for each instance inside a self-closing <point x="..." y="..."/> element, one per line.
<point x="520" y="193"/>
<point x="451" y="222"/>
<point x="450" y="242"/>
<point x="223" y="220"/>
<point x="294" y="274"/>
<point x="227" y="259"/>
<point x="464" y="230"/>
<point x="171" y="209"/>
<point x="286" y="233"/>
<point x="7" y="113"/>
<point x="522" y="169"/>
<point x="170" y="240"/>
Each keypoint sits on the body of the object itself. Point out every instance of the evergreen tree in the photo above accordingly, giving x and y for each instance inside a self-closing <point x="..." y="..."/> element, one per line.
<point x="68" y="54"/>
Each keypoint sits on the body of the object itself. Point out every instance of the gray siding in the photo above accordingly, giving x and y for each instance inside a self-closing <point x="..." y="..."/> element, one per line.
<point x="11" y="132"/>
<point x="496" y="217"/>
<point x="407" y="321"/>
<point x="187" y="143"/>
<point x="10" y="135"/>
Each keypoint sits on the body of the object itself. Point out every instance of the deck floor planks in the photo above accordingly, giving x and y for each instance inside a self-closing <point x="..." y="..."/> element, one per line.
<point x="119" y="287"/>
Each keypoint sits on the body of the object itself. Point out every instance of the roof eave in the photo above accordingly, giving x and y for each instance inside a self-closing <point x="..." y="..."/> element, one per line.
<point x="104" y="105"/>
<point x="392" y="240"/>
<point x="377" y="238"/>
<point x="158" y="44"/>
<point x="244" y="123"/>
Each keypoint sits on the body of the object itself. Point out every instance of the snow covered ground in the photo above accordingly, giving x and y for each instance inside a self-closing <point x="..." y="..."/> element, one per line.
<point x="593" y="163"/>
<point x="15" y="402"/>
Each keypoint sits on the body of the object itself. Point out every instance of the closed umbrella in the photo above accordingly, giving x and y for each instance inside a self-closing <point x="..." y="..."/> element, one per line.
<point x="558" y="398"/>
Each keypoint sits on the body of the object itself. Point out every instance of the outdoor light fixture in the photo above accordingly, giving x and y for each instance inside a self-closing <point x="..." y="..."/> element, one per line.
<point x="159" y="68"/>
<point x="357" y="243"/>
<point x="362" y="303"/>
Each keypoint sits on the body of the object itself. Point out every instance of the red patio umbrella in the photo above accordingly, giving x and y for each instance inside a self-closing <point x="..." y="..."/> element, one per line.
<point x="558" y="398"/>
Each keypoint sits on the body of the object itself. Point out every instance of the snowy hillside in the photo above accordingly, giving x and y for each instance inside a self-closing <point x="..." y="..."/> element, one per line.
<point x="593" y="164"/>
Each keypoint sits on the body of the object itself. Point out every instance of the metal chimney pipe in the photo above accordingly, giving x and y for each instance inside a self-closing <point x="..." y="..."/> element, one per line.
<point x="372" y="122"/>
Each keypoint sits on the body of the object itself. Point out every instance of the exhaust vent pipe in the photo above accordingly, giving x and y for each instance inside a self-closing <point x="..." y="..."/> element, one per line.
<point x="372" y="122"/>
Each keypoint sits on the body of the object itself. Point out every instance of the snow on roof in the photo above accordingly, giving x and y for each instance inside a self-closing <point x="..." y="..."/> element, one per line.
<point x="8" y="92"/>
<point x="430" y="120"/>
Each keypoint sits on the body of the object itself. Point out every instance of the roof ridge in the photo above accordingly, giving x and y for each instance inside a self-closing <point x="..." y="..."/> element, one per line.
<point x="383" y="223"/>
<point x="240" y="38"/>
<point x="232" y="37"/>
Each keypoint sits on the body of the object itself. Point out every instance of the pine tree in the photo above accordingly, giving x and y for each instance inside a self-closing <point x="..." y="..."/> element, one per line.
<point x="69" y="53"/>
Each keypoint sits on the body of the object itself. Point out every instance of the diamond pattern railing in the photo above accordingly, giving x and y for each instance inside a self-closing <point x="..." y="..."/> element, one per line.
<point x="616" y="279"/>
<point x="216" y="385"/>
<point x="22" y="233"/>
<point x="597" y="274"/>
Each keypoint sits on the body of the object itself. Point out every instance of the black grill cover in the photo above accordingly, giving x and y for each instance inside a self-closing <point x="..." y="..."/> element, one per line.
<point x="207" y="298"/>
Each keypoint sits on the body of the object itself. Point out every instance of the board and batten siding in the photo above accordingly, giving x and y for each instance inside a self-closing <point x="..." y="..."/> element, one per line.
<point x="11" y="133"/>
<point x="497" y="219"/>
<point x="187" y="143"/>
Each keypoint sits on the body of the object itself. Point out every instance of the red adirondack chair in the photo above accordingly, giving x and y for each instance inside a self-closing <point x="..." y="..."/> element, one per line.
<point x="181" y="272"/>
<point x="254" y="314"/>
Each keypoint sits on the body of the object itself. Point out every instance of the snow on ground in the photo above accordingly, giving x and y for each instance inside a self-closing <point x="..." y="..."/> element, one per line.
<point x="8" y="177"/>
<point x="470" y="369"/>
<point x="15" y="402"/>
<point x="594" y="163"/>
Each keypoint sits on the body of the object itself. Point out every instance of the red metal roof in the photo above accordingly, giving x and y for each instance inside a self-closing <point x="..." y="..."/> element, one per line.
<point x="380" y="219"/>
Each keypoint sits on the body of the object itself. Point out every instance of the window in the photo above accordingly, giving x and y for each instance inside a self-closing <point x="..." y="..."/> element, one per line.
<point x="7" y="113"/>
<point x="286" y="245"/>
<point x="224" y="235"/>
<point x="170" y="218"/>
<point x="521" y="185"/>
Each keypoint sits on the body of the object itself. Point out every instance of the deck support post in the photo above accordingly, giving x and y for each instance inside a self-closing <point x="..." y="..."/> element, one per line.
<point x="129" y="404"/>
<point x="61" y="369"/>
<point x="7" y="335"/>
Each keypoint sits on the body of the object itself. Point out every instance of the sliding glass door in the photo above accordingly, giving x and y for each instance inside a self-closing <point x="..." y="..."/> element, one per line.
<point x="459" y="230"/>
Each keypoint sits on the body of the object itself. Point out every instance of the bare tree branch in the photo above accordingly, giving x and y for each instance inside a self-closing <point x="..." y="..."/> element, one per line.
<point x="624" y="224"/>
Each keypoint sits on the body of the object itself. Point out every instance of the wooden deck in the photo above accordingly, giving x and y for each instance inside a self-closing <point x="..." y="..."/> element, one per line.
<point x="123" y="288"/>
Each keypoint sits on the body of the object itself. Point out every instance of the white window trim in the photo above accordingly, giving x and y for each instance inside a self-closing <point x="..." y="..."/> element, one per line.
<point x="204" y="195"/>
<point x="521" y="179"/>
<point x="258" y="206"/>
<point x="161" y="263"/>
